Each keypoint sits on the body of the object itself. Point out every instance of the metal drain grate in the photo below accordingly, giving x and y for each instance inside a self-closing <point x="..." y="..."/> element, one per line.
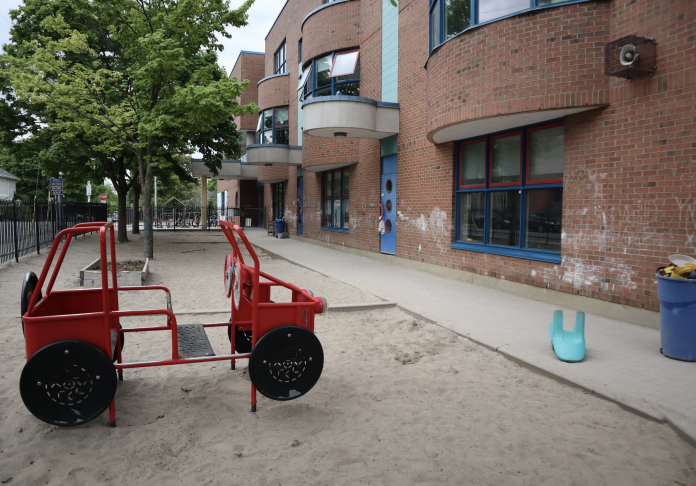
<point x="193" y="342"/>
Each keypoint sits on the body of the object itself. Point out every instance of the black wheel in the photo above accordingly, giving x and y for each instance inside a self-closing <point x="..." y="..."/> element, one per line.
<point x="68" y="383"/>
<point x="242" y="340"/>
<point x="28" y="287"/>
<point x="123" y="342"/>
<point x="286" y="363"/>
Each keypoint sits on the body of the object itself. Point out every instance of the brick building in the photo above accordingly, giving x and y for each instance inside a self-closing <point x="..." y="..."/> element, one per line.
<point x="240" y="191"/>
<point x="488" y="140"/>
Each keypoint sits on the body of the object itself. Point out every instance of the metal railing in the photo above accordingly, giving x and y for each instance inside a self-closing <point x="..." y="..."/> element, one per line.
<point x="189" y="217"/>
<point x="27" y="228"/>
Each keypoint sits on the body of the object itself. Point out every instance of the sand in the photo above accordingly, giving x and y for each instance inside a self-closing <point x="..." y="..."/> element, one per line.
<point x="399" y="402"/>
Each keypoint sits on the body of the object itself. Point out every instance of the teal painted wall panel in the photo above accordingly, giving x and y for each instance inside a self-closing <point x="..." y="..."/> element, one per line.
<point x="388" y="146"/>
<point x="390" y="52"/>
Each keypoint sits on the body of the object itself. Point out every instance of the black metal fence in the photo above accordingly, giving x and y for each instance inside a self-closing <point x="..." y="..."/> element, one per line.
<point x="27" y="228"/>
<point x="189" y="217"/>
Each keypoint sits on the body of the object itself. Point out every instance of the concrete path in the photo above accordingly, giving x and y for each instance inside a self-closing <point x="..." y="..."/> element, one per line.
<point x="623" y="361"/>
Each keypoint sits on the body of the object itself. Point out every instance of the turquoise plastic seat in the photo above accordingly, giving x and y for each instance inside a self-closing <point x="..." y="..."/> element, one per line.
<point x="568" y="345"/>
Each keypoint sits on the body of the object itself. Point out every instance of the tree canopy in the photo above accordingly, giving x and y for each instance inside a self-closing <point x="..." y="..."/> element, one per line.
<point x="126" y="77"/>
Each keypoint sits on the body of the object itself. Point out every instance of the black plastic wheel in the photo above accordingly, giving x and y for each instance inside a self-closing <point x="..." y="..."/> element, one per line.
<point x="286" y="363"/>
<point x="28" y="287"/>
<point x="242" y="340"/>
<point x="68" y="383"/>
<point x="123" y="342"/>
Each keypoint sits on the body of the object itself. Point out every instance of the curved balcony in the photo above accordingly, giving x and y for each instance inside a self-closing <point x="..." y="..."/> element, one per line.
<point x="349" y="117"/>
<point x="272" y="154"/>
<point x="331" y="27"/>
<point x="273" y="91"/>
<point x="529" y="75"/>
<point x="231" y="170"/>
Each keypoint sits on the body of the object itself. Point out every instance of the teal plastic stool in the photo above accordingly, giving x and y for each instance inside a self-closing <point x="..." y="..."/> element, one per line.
<point x="568" y="345"/>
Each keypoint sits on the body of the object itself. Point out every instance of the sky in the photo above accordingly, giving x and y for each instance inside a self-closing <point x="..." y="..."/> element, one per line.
<point x="250" y="38"/>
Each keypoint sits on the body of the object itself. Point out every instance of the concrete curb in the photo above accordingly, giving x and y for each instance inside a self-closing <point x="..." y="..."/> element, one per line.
<point x="332" y="308"/>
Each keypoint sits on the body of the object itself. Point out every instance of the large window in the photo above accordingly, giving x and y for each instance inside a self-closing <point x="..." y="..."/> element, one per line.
<point x="510" y="193"/>
<point x="450" y="17"/>
<point x="335" y="192"/>
<point x="278" y="192"/>
<point x="337" y="73"/>
<point x="279" y="60"/>
<point x="273" y="126"/>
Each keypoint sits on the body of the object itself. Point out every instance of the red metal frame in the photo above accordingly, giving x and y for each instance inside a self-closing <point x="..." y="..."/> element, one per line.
<point x="78" y="313"/>
<point x="526" y="172"/>
<point x="275" y="125"/>
<point x="461" y="164"/>
<point x="334" y="62"/>
<point x="490" y="161"/>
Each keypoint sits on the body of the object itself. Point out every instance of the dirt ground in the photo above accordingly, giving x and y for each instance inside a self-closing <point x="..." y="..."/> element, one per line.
<point x="399" y="402"/>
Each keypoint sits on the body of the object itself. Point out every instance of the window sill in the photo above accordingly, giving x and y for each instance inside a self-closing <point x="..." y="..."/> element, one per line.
<point x="335" y="230"/>
<point x="526" y="254"/>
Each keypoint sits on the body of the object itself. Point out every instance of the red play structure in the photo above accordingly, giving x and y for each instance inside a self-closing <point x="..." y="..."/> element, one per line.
<point x="74" y="340"/>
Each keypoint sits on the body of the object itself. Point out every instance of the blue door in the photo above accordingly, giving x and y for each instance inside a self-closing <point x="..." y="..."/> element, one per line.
<point x="299" y="205"/>
<point x="388" y="204"/>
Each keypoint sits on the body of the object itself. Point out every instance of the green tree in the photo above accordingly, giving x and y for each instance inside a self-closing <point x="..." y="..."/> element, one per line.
<point x="154" y="87"/>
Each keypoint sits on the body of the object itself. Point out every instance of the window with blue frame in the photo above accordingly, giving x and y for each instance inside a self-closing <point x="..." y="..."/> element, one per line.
<point x="278" y="204"/>
<point x="337" y="73"/>
<point x="273" y="126"/>
<point x="450" y="17"/>
<point x="279" y="60"/>
<point x="510" y="192"/>
<point x="335" y="194"/>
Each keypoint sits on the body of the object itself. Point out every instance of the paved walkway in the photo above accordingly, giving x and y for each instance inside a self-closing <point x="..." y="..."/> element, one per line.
<point x="623" y="361"/>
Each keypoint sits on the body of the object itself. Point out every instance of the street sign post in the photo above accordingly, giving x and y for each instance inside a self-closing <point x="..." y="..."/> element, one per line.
<point x="57" y="186"/>
<point x="89" y="191"/>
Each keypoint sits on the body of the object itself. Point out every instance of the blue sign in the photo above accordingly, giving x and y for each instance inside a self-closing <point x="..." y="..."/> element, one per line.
<point x="57" y="185"/>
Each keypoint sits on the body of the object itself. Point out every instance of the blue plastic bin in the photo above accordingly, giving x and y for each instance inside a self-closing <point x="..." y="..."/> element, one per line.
<point x="677" y="317"/>
<point x="279" y="227"/>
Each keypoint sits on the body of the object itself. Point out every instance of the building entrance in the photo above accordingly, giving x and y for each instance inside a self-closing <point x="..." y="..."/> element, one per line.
<point x="388" y="204"/>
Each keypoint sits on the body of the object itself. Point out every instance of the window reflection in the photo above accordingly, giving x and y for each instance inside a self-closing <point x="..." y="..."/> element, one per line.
<point x="471" y="216"/>
<point x="543" y="215"/>
<point x="492" y="9"/>
<point x="504" y="218"/>
<point x="457" y="17"/>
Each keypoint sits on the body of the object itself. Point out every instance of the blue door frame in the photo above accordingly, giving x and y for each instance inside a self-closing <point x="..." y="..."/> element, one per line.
<point x="388" y="204"/>
<point x="300" y="192"/>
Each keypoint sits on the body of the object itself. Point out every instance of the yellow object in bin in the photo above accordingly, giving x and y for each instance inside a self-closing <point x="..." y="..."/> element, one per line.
<point x="683" y="272"/>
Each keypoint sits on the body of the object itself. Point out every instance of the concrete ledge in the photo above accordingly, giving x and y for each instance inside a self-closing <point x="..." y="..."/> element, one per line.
<point x="619" y="312"/>
<point x="360" y="307"/>
<point x="332" y="308"/>
<point x="349" y="116"/>
<point x="271" y="154"/>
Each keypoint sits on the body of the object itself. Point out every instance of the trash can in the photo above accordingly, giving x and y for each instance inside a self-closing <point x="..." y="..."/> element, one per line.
<point x="279" y="227"/>
<point x="677" y="317"/>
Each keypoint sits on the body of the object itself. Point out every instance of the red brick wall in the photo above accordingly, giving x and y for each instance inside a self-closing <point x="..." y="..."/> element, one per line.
<point x="273" y="173"/>
<point x="630" y="173"/>
<point x="274" y="92"/>
<point x="332" y="28"/>
<point x="547" y="59"/>
<point x="248" y="66"/>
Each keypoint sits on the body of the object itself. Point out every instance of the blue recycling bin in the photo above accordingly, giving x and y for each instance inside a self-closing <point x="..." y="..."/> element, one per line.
<point x="677" y="317"/>
<point x="279" y="227"/>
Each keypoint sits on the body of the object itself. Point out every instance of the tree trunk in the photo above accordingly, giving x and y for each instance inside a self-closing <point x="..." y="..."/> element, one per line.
<point x="136" y="209"/>
<point x="145" y="166"/>
<point x="122" y="230"/>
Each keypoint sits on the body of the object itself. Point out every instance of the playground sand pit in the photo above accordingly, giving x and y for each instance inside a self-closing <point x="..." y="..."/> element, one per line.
<point x="399" y="402"/>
